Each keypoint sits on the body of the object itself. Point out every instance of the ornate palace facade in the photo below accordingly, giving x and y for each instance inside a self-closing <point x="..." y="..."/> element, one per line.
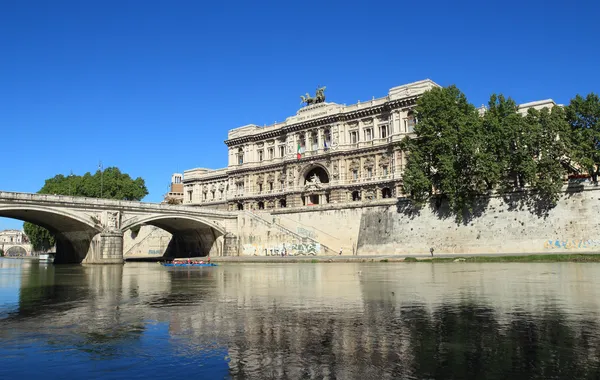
<point x="326" y="153"/>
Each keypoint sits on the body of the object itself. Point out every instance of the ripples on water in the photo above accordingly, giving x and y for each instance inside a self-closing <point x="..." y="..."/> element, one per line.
<point x="300" y="321"/>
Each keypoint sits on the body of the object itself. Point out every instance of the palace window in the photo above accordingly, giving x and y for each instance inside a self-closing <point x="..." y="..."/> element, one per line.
<point x="271" y="153"/>
<point x="315" y="141"/>
<point x="239" y="187"/>
<point x="260" y="187"/>
<point x="240" y="156"/>
<point x="383" y="131"/>
<point x="281" y="150"/>
<point x="409" y="123"/>
<point x="353" y="137"/>
<point x="220" y="194"/>
<point x="356" y="195"/>
<point x="368" y="134"/>
<point x="369" y="172"/>
<point x="327" y="138"/>
<point x="386" y="192"/>
<point x="204" y="196"/>
<point x="384" y="170"/>
<point x="270" y="186"/>
<point x="260" y="155"/>
<point x="355" y="174"/>
<point x="190" y="192"/>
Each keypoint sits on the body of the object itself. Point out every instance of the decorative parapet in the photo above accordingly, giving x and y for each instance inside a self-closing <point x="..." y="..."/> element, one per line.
<point x="329" y="113"/>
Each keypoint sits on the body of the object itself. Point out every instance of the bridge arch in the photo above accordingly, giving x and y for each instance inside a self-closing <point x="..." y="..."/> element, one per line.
<point x="173" y="223"/>
<point x="16" y="251"/>
<point x="74" y="233"/>
<point x="192" y="236"/>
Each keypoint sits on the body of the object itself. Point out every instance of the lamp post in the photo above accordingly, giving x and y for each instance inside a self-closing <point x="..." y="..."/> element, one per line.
<point x="101" y="179"/>
<point x="71" y="184"/>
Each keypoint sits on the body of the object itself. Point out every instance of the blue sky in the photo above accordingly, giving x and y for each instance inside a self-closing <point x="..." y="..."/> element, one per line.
<point x="153" y="86"/>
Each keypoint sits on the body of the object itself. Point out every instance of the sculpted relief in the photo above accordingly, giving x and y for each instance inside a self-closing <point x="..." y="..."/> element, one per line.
<point x="112" y="221"/>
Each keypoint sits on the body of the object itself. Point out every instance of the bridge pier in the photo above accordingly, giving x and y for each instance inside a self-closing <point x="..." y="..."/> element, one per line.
<point x="106" y="248"/>
<point x="111" y="251"/>
<point x="230" y="245"/>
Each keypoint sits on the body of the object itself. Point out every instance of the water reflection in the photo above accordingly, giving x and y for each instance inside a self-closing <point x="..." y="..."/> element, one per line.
<point x="294" y="321"/>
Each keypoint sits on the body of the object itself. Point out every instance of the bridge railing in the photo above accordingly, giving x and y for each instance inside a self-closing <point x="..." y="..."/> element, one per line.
<point x="108" y="203"/>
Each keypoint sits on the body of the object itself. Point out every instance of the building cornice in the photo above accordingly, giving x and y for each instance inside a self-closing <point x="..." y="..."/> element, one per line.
<point x="388" y="106"/>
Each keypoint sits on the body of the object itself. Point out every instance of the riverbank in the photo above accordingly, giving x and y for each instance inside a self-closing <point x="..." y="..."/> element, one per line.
<point x="575" y="257"/>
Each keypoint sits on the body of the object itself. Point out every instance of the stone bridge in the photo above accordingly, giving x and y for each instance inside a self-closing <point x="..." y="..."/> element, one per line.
<point x="90" y="230"/>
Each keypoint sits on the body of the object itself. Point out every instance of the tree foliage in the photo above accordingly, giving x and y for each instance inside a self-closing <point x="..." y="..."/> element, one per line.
<point x="108" y="184"/>
<point x="459" y="154"/>
<point x="583" y="115"/>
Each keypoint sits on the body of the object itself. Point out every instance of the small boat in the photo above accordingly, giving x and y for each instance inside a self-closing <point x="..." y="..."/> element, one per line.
<point x="46" y="257"/>
<point x="188" y="265"/>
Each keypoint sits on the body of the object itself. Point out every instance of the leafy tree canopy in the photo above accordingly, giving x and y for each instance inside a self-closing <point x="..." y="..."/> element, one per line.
<point x="459" y="154"/>
<point x="583" y="116"/>
<point x="109" y="184"/>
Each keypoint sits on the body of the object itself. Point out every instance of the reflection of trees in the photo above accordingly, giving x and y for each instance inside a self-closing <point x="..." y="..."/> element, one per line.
<point x="81" y="304"/>
<point x="464" y="341"/>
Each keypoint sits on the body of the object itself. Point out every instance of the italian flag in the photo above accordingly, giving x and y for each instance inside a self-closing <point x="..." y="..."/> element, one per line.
<point x="299" y="152"/>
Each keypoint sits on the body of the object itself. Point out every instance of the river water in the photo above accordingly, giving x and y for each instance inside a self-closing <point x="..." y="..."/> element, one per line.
<point x="300" y="321"/>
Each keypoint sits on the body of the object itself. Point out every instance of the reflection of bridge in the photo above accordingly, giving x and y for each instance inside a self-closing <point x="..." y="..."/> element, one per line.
<point x="91" y="230"/>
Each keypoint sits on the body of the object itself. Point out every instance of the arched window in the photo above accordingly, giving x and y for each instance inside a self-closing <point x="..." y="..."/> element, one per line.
<point x="261" y="205"/>
<point x="240" y="156"/>
<point x="356" y="195"/>
<point x="240" y="206"/>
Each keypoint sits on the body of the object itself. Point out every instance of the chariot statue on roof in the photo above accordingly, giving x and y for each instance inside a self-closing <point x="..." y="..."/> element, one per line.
<point x="319" y="97"/>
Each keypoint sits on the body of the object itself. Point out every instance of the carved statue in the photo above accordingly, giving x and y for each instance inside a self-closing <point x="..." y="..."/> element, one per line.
<point x="314" y="179"/>
<point x="307" y="99"/>
<point x="319" y="97"/>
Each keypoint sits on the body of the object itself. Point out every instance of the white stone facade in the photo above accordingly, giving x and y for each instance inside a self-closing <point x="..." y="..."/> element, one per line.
<point x="347" y="154"/>
<point x="13" y="237"/>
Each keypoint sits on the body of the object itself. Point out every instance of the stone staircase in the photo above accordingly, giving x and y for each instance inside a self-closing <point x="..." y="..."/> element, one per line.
<point x="130" y="245"/>
<point x="260" y="217"/>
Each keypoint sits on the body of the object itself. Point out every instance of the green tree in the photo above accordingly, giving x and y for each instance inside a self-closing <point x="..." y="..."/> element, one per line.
<point x="583" y="115"/>
<point x="1" y="252"/>
<point x="448" y="158"/>
<point x="109" y="184"/>
<point x="506" y="139"/>
<point x="550" y="141"/>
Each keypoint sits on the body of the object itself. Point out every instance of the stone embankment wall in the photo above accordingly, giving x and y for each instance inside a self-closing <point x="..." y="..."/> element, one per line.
<point x="500" y="225"/>
<point x="260" y="234"/>
<point x="505" y="225"/>
<point x="149" y="241"/>
<point x="386" y="227"/>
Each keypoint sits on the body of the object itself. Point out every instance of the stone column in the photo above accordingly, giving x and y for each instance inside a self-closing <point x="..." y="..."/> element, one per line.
<point x="320" y="139"/>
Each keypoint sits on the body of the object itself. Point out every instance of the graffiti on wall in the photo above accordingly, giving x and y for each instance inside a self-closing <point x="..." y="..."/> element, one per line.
<point x="289" y="249"/>
<point x="571" y="244"/>
<point x="304" y="232"/>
